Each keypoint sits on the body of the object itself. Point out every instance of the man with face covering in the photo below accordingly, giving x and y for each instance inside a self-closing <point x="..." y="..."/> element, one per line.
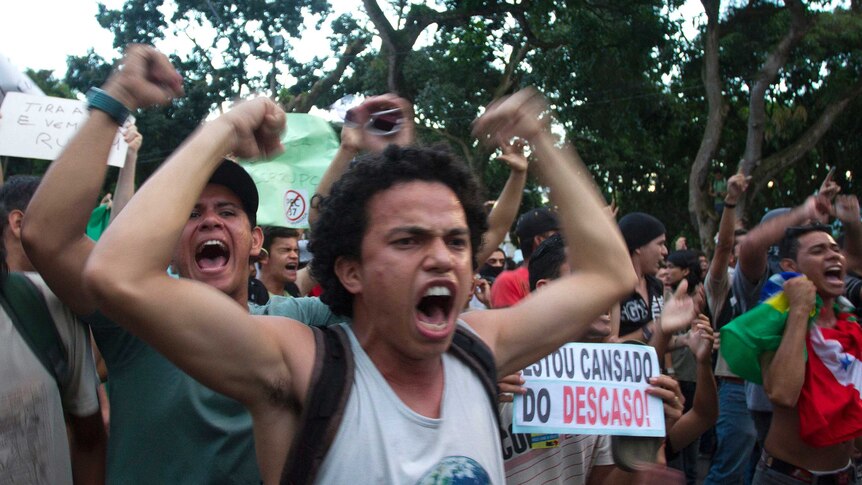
<point x="533" y="227"/>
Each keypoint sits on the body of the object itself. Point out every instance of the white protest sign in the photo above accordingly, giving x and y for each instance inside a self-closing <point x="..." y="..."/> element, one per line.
<point x="296" y="207"/>
<point x="40" y="126"/>
<point x="591" y="389"/>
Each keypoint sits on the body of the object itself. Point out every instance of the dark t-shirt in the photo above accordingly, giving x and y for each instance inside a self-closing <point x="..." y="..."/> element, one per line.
<point x="635" y="312"/>
<point x="257" y="293"/>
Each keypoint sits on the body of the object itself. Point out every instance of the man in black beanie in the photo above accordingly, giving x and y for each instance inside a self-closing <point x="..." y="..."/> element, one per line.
<point x="645" y="238"/>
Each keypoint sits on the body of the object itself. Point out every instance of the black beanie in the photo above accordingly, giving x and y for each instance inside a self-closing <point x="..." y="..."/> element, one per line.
<point x="639" y="229"/>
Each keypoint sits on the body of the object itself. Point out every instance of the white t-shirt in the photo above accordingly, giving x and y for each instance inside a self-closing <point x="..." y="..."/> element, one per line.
<point x="569" y="462"/>
<point x="33" y="444"/>
<point x="381" y="440"/>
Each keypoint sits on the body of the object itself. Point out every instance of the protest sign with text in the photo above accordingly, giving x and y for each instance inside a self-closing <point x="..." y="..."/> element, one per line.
<point x="287" y="183"/>
<point x="40" y="126"/>
<point x="591" y="389"/>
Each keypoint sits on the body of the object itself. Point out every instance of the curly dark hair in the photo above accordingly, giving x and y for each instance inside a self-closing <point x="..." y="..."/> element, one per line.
<point x="343" y="220"/>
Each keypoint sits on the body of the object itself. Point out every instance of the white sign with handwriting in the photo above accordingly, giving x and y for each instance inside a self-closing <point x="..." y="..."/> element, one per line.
<point x="41" y="126"/>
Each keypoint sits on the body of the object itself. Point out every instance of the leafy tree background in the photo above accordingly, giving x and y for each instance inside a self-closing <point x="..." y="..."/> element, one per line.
<point x="773" y="87"/>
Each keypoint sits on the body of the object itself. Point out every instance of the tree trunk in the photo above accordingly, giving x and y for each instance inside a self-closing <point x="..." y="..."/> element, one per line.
<point x="774" y="164"/>
<point x="398" y="44"/>
<point x="699" y="203"/>
<point x="799" y="26"/>
<point x="392" y="47"/>
<point x="304" y="102"/>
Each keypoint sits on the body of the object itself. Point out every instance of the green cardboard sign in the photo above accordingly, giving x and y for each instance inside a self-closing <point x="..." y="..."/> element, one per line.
<point x="287" y="182"/>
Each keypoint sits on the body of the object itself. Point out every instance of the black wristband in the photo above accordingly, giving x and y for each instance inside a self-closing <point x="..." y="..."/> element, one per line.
<point x="729" y="206"/>
<point x="102" y="101"/>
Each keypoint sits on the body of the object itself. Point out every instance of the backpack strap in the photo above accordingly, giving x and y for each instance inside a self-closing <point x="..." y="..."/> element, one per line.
<point x="331" y="383"/>
<point x="473" y="352"/>
<point x="27" y="309"/>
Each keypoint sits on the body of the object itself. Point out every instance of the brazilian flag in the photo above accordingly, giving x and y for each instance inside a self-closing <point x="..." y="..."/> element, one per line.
<point x="759" y="330"/>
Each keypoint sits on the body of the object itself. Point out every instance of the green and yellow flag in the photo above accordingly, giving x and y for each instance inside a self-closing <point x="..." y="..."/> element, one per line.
<point x="758" y="330"/>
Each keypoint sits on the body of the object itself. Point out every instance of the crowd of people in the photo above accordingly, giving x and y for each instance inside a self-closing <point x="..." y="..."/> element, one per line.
<point x="385" y="344"/>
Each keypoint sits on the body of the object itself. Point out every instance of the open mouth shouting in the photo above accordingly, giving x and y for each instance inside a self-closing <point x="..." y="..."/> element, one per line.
<point x="212" y="255"/>
<point x="834" y="275"/>
<point x="434" y="310"/>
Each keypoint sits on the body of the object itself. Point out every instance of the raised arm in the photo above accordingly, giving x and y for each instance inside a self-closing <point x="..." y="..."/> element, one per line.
<point x="704" y="410"/>
<point x="56" y="219"/>
<point x="356" y="139"/>
<point x="126" y="180"/>
<point x="736" y="186"/>
<point x="202" y="330"/>
<point x="504" y="211"/>
<point x="601" y="271"/>
<point x="847" y="211"/>
<point x="753" y="249"/>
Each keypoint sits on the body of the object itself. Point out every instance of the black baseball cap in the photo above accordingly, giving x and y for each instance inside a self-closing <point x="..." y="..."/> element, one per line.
<point x="231" y="175"/>
<point x="535" y="222"/>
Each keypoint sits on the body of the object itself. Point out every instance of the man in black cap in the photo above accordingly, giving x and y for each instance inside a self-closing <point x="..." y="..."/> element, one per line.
<point x="645" y="238"/>
<point x="166" y="427"/>
<point x="533" y="227"/>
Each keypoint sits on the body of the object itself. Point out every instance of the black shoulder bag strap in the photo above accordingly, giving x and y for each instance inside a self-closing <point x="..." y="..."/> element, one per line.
<point x="331" y="382"/>
<point x="27" y="309"/>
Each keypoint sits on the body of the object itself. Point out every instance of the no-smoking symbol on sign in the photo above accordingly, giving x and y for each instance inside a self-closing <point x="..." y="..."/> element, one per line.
<point x="295" y="206"/>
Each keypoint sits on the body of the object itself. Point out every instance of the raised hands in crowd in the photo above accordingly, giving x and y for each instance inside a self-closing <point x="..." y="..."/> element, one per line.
<point x="269" y="364"/>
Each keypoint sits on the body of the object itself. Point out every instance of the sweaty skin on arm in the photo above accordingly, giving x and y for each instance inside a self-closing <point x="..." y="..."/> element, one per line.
<point x="601" y="271"/>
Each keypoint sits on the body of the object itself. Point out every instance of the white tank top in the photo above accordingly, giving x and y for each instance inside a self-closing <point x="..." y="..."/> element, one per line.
<point x="381" y="440"/>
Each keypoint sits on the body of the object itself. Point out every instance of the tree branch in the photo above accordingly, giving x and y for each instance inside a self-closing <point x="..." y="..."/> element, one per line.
<point x="698" y="200"/>
<point x="465" y="148"/>
<point x="419" y="19"/>
<point x="304" y="102"/>
<point x="532" y="38"/>
<point x="800" y="24"/>
<point x="782" y="160"/>
<point x="507" y="80"/>
<point x="398" y="44"/>
<point x="378" y="18"/>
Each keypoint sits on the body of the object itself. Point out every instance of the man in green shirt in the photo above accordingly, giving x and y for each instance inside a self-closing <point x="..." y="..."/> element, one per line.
<point x="165" y="426"/>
